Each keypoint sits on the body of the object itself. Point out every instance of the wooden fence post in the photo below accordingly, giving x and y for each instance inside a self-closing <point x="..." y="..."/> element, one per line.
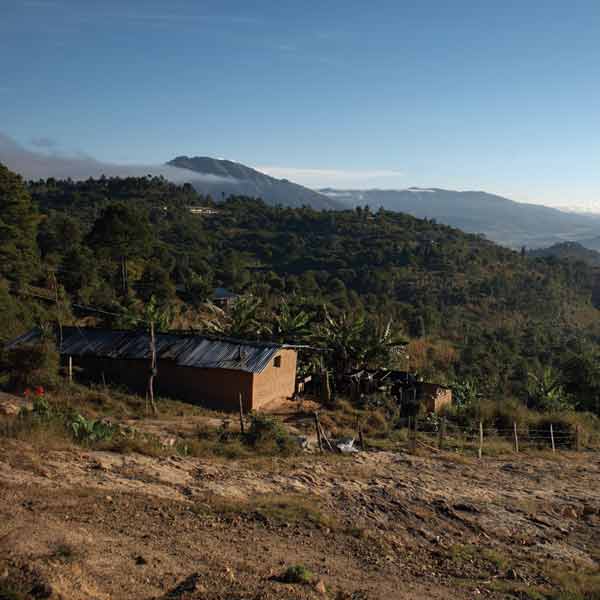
<point x="242" y="429"/>
<point x="413" y="437"/>
<point x="480" y="450"/>
<point x="361" y="438"/>
<point x="318" y="428"/>
<point x="578" y="438"/>
<point x="442" y="433"/>
<point x="552" y="438"/>
<point x="516" y="436"/>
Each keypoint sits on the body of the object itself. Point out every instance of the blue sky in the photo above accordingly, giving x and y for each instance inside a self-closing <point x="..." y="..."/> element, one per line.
<point x="464" y="94"/>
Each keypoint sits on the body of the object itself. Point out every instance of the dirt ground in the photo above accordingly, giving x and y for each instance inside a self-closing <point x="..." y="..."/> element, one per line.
<point x="78" y="524"/>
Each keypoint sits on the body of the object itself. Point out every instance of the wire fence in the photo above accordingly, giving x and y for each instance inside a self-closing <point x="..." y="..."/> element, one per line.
<point x="443" y="434"/>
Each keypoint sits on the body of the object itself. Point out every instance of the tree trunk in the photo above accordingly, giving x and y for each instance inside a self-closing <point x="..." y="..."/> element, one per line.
<point x="152" y="369"/>
<point x="124" y="283"/>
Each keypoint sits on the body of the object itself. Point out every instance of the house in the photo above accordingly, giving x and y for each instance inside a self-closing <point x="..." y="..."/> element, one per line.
<point x="224" y="298"/>
<point x="212" y="372"/>
<point x="204" y="211"/>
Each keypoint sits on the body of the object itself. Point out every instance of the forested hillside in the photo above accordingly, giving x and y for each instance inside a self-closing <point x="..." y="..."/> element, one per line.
<point x="471" y="310"/>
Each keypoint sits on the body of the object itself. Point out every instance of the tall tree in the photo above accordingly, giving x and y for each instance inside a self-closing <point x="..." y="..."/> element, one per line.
<point x="123" y="233"/>
<point x="19" y="259"/>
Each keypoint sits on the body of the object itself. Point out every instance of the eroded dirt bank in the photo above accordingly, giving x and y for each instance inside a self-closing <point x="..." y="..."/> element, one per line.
<point x="77" y="524"/>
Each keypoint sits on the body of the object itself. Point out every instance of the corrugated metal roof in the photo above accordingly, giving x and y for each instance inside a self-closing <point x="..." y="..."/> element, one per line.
<point x="187" y="350"/>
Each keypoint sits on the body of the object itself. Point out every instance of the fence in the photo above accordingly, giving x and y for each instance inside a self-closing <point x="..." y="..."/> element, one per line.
<point x="444" y="434"/>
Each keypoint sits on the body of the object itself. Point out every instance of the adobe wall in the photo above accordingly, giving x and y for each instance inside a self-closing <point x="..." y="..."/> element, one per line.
<point x="213" y="388"/>
<point x="276" y="383"/>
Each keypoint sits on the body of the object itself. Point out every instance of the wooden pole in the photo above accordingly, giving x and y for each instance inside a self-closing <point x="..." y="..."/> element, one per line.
<point x="442" y="433"/>
<point x="480" y="450"/>
<point x="361" y="438"/>
<point x="70" y="369"/>
<point x="516" y="436"/>
<point x="552" y="438"/>
<point x="152" y="369"/>
<point x="413" y="437"/>
<point x="318" y="428"/>
<point x="58" y="310"/>
<point x="242" y="430"/>
<point x="578" y="438"/>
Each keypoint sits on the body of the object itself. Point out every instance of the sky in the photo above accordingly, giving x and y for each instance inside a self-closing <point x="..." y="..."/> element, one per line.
<point x="501" y="96"/>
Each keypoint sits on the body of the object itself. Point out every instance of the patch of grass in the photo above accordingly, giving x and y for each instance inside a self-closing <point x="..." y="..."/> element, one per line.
<point x="577" y="583"/>
<point x="9" y="592"/>
<point x="461" y="553"/>
<point x="521" y="591"/>
<point x="141" y="443"/>
<point x="266" y="436"/>
<point x="64" y="552"/>
<point x="297" y="574"/>
<point x="292" y="510"/>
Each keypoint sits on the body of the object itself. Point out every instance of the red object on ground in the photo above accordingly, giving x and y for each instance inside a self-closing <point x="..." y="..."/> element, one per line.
<point x="39" y="390"/>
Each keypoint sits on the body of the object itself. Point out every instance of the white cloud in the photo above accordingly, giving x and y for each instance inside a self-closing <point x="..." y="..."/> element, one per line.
<point x="321" y="178"/>
<point x="33" y="164"/>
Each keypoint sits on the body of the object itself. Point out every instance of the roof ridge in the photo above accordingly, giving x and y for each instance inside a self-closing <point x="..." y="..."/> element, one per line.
<point x="184" y="333"/>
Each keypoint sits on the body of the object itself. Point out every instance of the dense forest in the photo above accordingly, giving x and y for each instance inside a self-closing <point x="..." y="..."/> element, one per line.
<point x="473" y="313"/>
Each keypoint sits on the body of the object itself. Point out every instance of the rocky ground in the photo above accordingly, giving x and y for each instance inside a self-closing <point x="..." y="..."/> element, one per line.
<point x="79" y="524"/>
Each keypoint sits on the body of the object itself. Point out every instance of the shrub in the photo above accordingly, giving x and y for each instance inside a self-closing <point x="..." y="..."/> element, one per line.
<point x="87" y="430"/>
<point x="268" y="434"/>
<point x="31" y="365"/>
<point x="297" y="574"/>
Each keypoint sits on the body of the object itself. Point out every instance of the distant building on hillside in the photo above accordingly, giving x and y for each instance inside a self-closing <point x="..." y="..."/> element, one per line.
<point x="197" y="369"/>
<point x="412" y="394"/>
<point x="224" y="298"/>
<point x="204" y="211"/>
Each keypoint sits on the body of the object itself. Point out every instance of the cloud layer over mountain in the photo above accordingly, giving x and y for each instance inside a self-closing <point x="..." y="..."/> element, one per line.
<point x="34" y="164"/>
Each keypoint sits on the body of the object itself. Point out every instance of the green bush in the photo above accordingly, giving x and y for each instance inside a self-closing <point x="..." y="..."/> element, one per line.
<point x="267" y="434"/>
<point x="297" y="574"/>
<point x="31" y="365"/>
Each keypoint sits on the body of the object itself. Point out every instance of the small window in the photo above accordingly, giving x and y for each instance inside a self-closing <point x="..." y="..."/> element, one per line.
<point x="277" y="361"/>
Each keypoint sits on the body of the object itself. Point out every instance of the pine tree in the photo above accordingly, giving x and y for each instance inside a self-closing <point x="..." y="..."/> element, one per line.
<point x="19" y="259"/>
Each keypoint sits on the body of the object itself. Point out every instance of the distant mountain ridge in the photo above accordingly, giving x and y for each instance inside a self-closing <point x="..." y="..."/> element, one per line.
<point x="502" y="220"/>
<point x="250" y="182"/>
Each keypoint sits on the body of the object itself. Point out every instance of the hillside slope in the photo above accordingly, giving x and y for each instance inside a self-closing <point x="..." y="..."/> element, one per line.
<point x="491" y="313"/>
<point x="502" y="220"/>
<point x="84" y="523"/>
<point x="245" y="181"/>
<point x="569" y="251"/>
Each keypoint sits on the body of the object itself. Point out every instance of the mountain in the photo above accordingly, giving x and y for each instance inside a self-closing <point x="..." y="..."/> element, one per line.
<point x="569" y="251"/>
<point x="592" y="243"/>
<point x="237" y="179"/>
<point x="502" y="220"/>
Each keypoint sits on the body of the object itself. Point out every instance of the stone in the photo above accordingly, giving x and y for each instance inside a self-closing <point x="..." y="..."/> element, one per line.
<point x="569" y="513"/>
<point x="320" y="587"/>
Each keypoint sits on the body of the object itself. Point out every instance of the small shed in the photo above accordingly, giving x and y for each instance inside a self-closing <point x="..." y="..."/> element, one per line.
<point x="224" y="298"/>
<point x="203" y="370"/>
<point x="434" y="396"/>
